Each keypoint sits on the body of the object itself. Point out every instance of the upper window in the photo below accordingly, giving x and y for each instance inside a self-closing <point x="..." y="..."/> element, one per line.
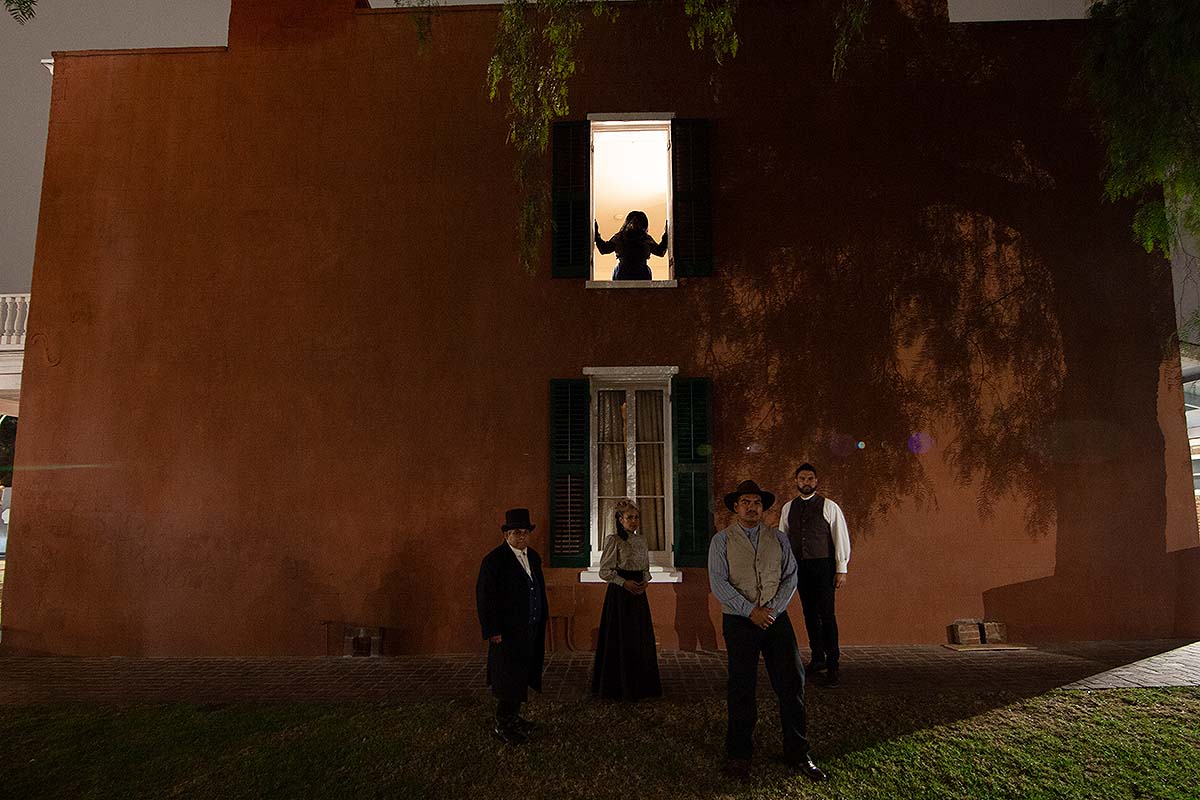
<point x="631" y="200"/>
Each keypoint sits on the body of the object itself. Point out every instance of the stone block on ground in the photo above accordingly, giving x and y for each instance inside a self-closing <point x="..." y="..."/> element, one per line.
<point x="994" y="632"/>
<point x="964" y="631"/>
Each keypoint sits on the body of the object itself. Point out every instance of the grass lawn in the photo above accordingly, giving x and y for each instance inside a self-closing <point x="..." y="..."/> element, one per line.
<point x="1136" y="743"/>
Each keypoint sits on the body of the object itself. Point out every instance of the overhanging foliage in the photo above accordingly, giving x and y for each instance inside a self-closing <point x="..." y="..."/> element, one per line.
<point x="1142" y="66"/>
<point x="534" y="59"/>
<point x="20" y="10"/>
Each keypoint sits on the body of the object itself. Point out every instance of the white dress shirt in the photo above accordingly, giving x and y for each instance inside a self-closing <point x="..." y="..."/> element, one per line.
<point x="523" y="558"/>
<point x="837" y="526"/>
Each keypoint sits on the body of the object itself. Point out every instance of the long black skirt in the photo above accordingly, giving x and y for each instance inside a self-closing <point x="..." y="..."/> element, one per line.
<point x="626" y="665"/>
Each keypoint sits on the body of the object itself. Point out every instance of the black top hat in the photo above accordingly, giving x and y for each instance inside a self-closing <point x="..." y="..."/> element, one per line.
<point x="749" y="487"/>
<point x="517" y="519"/>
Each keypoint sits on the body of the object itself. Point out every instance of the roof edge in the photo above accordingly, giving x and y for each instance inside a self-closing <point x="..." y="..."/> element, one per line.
<point x="137" y="51"/>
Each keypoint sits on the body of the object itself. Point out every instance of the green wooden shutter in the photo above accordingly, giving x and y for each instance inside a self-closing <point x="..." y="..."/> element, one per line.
<point x="691" y="425"/>
<point x="692" y="198"/>
<point x="571" y="200"/>
<point x="570" y="502"/>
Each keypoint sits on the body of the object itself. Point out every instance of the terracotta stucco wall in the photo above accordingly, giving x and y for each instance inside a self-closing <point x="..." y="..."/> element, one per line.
<point x="282" y="340"/>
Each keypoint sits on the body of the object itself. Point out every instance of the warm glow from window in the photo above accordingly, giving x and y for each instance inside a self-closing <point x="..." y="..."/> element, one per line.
<point x="631" y="170"/>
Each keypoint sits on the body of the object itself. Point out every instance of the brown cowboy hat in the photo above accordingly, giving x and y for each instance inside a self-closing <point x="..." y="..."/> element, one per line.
<point x="749" y="487"/>
<point x="517" y="519"/>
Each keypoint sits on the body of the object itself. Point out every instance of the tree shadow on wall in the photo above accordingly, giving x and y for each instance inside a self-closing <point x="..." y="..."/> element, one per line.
<point x="912" y="295"/>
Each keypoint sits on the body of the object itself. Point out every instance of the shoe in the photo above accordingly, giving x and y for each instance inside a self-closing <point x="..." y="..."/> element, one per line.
<point x="509" y="734"/>
<point x="738" y="769"/>
<point x="805" y="766"/>
<point x="527" y="726"/>
<point x="831" y="679"/>
<point x="814" y="666"/>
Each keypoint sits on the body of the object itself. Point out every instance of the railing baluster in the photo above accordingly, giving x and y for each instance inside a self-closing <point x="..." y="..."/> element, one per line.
<point x="23" y="302"/>
<point x="14" y="313"/>
<point x="6" y="333"/>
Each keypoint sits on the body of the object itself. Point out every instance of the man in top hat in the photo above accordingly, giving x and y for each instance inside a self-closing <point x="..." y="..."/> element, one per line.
<point x="752" y="573"/>
<point x="820" y="541"/>
<point x="510" y="596"/>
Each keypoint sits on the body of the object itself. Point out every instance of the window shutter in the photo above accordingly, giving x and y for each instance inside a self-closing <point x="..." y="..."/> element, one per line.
<point x="571" y="236"/>
<point x="691" y="426"/>
<point x="692" y="195"/>
<point x="570" y="505"/>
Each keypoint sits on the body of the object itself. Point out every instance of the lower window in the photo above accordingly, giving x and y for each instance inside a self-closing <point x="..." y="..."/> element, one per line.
<point x="631" y="460"/>
<point x="637" y="432"/>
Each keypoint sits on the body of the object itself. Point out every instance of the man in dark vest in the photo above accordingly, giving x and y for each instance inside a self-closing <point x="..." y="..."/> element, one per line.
<point x="510" y="596"/>
<point x="752" y="573"/>
<point x="816" y="529"/>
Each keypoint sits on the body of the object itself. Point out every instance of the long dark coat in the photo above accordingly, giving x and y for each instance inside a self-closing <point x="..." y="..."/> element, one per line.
<point x="502" y="599"/>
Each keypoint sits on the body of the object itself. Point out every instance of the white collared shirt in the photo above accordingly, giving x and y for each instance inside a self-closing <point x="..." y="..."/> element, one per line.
<point x="837" y="527"/>
<point x="523" y="558"/>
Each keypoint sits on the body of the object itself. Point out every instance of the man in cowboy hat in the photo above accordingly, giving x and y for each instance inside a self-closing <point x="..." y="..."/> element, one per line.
<point x="752" y="573"/>
<point x="510" y="596"/>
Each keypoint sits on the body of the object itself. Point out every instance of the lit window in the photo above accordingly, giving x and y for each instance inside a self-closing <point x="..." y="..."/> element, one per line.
<point x="631" y="172"/>
<point x="609" y="165"/>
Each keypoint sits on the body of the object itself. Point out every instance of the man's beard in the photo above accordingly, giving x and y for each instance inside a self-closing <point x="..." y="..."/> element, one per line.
<point x="807" y="492"/>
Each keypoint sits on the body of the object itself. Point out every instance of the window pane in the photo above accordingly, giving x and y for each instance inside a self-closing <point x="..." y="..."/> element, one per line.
<point x="610" y="422"/>
<point x="651" y="476"/>
<point x="649" y="415"/>
<point x="653" y="522"/>
<point x="610" y="464"/>
<point x="608" y="524"/>
<point x="650" y="470"/>
<point x="610" y="456"/>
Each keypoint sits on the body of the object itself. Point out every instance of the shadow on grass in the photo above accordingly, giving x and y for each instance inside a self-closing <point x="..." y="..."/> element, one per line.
<point x="875" y="745"/>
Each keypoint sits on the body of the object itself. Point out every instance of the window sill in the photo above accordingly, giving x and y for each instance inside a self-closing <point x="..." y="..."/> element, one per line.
<point x="671" y="284"/>
<point x="657" y="575"/>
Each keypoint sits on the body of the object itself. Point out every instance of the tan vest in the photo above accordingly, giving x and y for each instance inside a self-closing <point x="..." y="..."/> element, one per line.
<point x="754" y="575"/>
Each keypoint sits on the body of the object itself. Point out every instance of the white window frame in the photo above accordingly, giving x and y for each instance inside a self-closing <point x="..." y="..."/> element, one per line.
<point x="662" y="562"/>
<point x="1016" y="10"/>
<point x="618" y="122"/>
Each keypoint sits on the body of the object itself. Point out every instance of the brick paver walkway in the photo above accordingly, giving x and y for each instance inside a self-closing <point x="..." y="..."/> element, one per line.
<point x="686" y="676"/>
<point x="1177" y="667"/>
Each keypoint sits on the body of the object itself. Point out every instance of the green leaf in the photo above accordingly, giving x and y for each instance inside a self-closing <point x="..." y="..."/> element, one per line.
<point x="20" y="10"/>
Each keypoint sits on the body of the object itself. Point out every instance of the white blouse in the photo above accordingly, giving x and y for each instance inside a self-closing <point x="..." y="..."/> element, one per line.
<point x="628" y="554"/>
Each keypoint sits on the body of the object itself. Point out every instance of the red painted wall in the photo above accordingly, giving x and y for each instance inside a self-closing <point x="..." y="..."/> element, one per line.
<point x="284" y="367"/>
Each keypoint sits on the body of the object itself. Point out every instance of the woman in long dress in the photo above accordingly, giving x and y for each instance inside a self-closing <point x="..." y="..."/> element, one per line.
<point x="626" y="665"/>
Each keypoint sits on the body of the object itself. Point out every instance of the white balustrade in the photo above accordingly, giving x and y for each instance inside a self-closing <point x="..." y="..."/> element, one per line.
<point x="14" y="311"/>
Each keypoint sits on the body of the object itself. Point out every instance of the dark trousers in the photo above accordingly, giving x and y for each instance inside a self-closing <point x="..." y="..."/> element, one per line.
<point x="743" y="642"/>
<point x="507" y="712"/>
<point x="815" y="587"/>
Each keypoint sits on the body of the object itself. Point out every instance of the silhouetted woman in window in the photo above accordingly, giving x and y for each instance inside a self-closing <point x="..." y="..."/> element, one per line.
<point x="633" y="246"/>
<point x="626" y="666"/>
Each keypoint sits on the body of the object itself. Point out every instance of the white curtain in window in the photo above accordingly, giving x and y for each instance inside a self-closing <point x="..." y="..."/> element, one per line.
<point x="610" y="457"/>
<point x="651" y="446"/>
